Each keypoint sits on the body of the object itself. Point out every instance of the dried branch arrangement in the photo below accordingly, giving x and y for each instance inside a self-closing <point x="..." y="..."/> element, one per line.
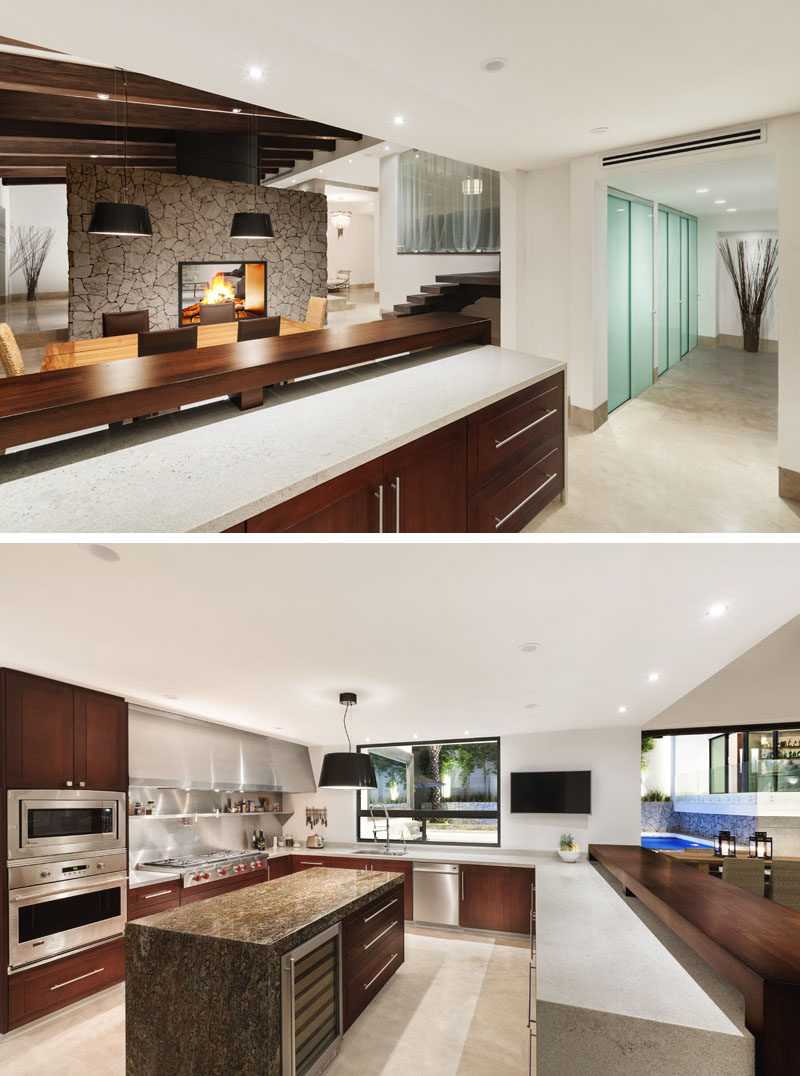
<point x="754" y="273"/>
<point x="29" y="247"/>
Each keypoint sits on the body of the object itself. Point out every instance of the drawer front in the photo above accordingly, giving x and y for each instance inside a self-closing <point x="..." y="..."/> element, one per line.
<point x="304" y="863"/>
<point x="507" y="432"/>
<point x="364" y="924"/>
<point x="280" y="867"/>
<point x="510" y="502"/>
<point x="42" y="990"/>
<point x="362" y="986"/>
<point x="366" y="950"/>
<point x="153" y="898"/>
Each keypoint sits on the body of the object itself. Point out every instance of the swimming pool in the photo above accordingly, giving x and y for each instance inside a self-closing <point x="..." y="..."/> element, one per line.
<point x="660" y="844"/>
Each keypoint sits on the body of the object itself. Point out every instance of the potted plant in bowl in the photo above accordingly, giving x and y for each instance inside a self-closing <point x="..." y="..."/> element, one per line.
<point x="568" y="848"/>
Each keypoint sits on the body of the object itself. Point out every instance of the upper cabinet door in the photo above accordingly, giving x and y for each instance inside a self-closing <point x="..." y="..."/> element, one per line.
<point x="101" y="741"/>
<point x="39" y="732"/>
<point x="426" y="484"/>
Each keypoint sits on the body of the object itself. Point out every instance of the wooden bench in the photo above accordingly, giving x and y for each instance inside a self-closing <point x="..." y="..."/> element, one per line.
<point x="748" y="940"/>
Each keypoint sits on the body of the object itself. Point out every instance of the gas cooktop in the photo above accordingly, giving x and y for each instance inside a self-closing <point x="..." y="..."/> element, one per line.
<point x="210" y="866"/>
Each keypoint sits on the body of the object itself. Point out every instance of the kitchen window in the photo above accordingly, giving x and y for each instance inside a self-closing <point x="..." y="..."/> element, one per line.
<point x="434" y="793"/>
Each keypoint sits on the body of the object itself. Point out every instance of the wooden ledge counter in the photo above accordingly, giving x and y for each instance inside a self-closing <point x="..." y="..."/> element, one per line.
<point x="203" y="982"/>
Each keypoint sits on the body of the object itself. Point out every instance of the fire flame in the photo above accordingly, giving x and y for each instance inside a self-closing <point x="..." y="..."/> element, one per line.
<point x="219" y="290"/>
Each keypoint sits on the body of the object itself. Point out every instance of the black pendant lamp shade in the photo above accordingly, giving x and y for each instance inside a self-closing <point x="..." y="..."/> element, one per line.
<point x="120" y="218"/>
<point x="347" y="769"/>
<point x="252" y="226"/>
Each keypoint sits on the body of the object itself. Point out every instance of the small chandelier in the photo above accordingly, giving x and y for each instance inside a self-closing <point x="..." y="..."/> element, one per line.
<point x="724" y="844"/>
<point x="341" y="220"/>
<point x="760" y="845"/>
<point x="472" y="186"/>
<point x="347" y="769"/>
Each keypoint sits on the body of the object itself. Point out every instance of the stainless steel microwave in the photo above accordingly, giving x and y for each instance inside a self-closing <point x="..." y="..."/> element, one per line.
<point x="55" y="822"/>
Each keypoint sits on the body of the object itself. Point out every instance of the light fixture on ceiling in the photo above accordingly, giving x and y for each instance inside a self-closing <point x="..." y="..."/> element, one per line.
<point x="720" y="201"/>
<point x="386" y="149"/>
<point x="415" y="736"/>
<point x="528" y="648"/>
<point x="341" y="220"/>
<point x="237" y="110"/>
<point x="598" y="130"/>
<point x="121" y="218"/>
<point x="730" y="209"/>
<point x="701" y="190"/>
<point x="472" y="186"/>
<point x="104" y="96"/>
<point x="94" y="156"/>
<point x="622" y="709"/>
<point x="103" y="552"/>
<point x="466" y="732"/>
<point x="718" y="609"/>
<point x="347" y="769"/>
<point x="496" y="63"/>
<point x="531" y="705"/>
<point x="255" y="72"/>
<point x="653" y="677"/>
<point x="255" y="225"/>
<point x="399" y="121"/>
<point x="172" y="698"/>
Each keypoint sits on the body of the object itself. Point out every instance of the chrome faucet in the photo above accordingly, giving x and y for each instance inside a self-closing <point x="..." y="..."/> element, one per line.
<point x="387" y="847"/>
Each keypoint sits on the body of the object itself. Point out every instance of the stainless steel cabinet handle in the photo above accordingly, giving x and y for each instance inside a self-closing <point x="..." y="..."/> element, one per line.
<point x="499" y="522"/>
<point x="383" y="969"/>
<point x="383" y="909"/>
<point x="530" y="986"/>
<point x="378" y="938"/>
<point x="379" y="495"/>
<point x="69" y="784"/>
<point x="462" y="885"/>
<point x="309" y="863"/>
<point x="519" y="433"/>
<point x="160" y="893"/>
<point x="82" y="784"/>
<point x="77" y="979"/>
<point x="396" y="487"/>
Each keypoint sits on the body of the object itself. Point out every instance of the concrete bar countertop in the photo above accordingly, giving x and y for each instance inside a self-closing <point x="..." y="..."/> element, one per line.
<point x="208" y="468"/>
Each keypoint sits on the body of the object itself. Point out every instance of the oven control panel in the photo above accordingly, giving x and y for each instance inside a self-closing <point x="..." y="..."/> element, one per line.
<point x="65" y="870"/>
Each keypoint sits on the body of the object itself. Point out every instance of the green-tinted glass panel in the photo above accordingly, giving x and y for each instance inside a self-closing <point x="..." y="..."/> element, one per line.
<point x="618" y="277"/>
<point x="641" y="297"/>
<point x="684" y="285"/>
<point x="663" y="361"/>
<point x="674" y="289"/>
<point x="718" y="761"/>
<point x="694" y="286"/>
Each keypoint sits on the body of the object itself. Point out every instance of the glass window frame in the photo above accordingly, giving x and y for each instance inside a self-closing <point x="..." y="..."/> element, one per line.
<point x="426" y="816"/>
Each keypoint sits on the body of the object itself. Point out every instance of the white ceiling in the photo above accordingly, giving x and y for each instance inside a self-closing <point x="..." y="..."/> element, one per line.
<point x="353" y="200"/>
<point x="266" y="635"/>
<point x="748" y="184"/>
<point x="644" y="70"/>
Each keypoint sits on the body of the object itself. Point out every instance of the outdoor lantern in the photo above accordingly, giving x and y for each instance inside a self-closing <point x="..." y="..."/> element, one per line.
<point x="760" y="845"/>
<point x="724" y="844"/>
<point x="347" y="769"/>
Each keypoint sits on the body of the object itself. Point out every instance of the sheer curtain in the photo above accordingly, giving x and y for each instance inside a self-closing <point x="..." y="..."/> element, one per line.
<point x="436" y="214"/>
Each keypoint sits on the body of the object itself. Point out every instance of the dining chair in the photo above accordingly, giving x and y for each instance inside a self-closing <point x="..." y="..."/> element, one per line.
<point x="159" y="343"/>
<point x="10" y="357"/>
<point x="785" y="888"/>
<point x="215" y="313"/>
<point x="122" y="322"/>
<point x="316" y="312"/>
<point x="746" y="873"/>
<point x="258" y="328"/>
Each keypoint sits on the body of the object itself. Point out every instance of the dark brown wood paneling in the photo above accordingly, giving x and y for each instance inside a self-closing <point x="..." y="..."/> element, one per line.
<point x="517" y="495"/>
<point x="427" y="479"/>
<point x="280" y="867"/>
<point x="483" y="892"/>
<point x="372" y="951"/>
<point x="345" y="505"/>
<point x="149" y="899"/>
<point x="101" y="741"/>
<point x="407" y="870"/>
<point x="520" y="899"/>
<point x="39" y="732"/>
<point x="42" y="990"/>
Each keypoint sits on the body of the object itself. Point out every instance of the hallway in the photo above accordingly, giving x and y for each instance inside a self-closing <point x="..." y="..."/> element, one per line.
<point x="696" y="452"/>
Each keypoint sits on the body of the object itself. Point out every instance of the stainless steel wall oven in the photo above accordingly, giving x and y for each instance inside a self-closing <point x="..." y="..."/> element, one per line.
<point x="59" y="822"/>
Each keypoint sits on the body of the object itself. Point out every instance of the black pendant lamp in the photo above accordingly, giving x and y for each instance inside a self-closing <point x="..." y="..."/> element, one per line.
<point x="121" y="218"/>
<point x="253" y="225"/>
<point x="347" y="769"/>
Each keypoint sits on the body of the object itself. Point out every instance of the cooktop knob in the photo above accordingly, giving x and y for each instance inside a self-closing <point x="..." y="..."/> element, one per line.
<point x="197" y="878"/>
<point x="223" y="873"/>
<point x="205" y="876"/>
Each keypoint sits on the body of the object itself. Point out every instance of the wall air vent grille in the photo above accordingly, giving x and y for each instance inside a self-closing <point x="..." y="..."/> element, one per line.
<point x="688" y="145"/>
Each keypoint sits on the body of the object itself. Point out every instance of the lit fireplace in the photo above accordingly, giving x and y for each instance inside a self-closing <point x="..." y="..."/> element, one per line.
<point x="201" y="283"/>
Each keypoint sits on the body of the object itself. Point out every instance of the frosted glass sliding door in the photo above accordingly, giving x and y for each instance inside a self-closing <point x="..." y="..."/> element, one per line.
<point x="618" y="287"/>
<point x="673" y="289"/>
<point x="684" y="286"/>
<point x="641" y="270"/>
<point x="693" y="284"/>
<point x="663" y="360"/>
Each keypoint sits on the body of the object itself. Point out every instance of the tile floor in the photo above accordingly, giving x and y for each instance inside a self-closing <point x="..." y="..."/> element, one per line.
<point x="457" y="1007"/>
<point x="697" y="452"/>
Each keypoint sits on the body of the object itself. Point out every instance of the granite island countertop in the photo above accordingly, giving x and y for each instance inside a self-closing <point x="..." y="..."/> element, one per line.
<point x="210" y="467"/>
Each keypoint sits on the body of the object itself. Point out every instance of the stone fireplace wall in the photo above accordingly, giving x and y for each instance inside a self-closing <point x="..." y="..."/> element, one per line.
<point x="191" y="220"/>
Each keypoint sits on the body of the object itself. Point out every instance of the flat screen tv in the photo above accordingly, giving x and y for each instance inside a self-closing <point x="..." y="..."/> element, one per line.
<point x="552" y="792"/>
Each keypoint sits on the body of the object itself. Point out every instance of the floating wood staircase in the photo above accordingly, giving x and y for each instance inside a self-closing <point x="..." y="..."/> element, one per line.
<point x="451" y="293"/>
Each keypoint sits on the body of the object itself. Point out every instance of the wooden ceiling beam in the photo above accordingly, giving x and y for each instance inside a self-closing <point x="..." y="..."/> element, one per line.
<point x="42" y="171"/>
<point x="46" y="131"/>
<point x="287" y="154"/>
<point x="295" y="142"/>
<point x="25" y="160"/>
<point x="23" y="181"/>
<point x="266" y="164"/>
<point x="36" y="147"/>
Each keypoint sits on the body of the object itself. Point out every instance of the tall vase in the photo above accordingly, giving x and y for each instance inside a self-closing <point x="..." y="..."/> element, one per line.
<point x="751" y="331"/>
<point x="31" y="295"/>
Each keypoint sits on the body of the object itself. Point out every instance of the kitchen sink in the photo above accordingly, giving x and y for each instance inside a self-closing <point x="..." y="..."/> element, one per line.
<point x="379" y="852"/>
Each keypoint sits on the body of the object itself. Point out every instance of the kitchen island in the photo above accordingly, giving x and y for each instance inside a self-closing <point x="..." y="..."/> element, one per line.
<point x="204" y="982"/>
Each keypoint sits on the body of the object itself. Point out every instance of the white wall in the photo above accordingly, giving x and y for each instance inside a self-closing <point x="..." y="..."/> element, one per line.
<point x="729" y="320"/>
<point x="42" y="206"/>
<point x="355" y="250"/>
<point x="713" y="279"/>
<point x="341" y="805"/>
<point x="691" y="764"/>
<point x="399" y="275"/>
<point x="658" y="775"/>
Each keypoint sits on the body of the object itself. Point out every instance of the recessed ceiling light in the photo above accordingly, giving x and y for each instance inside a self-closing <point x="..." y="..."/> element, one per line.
<point x="385" y="149"/>
<point x="622" y="710"/>
<point x="255" y="72"/>
<point x="653" y="677"/>
<point x="103" y="96"/>
<point x="415" y="736"/>
<point x="496" y="63"/>
<point x="531" y="705"/>
<point x="93" y="156"/>
<point x="720" y="201"/>
<point x="172" y="698"/>
<point x="350" y="161"/>
<point x="701" y="190"/>
<point x="103" y="552"/>
<point x="528" y="648"/>
<point x="719" y="609"/>
<point x="399" y="121"/>
<point x="598" y="130"/>
<point x="367" y="739"/>
<point x="466" y="732"/>
<point x="730" y="209"/>
<point x="236" y="110"/>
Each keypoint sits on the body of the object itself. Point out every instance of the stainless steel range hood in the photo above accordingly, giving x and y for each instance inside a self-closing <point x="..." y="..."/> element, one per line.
<point x="170" y="751"/>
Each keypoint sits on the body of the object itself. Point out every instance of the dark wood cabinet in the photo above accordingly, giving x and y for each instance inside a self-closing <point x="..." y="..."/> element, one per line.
<point x="373" y="948"/>
<point x="497" y="898"/>
<point x="425" y="484"/>
<point x="404" y="868"/>
<point x="149" y="899"/>
<point x="279" y="868"/>
<point x="348" y="504"/>
<point x="60" y="736"/>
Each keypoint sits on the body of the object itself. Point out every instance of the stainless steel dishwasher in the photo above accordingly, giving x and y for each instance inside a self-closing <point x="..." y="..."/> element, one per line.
<point x="436" y="893"/>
